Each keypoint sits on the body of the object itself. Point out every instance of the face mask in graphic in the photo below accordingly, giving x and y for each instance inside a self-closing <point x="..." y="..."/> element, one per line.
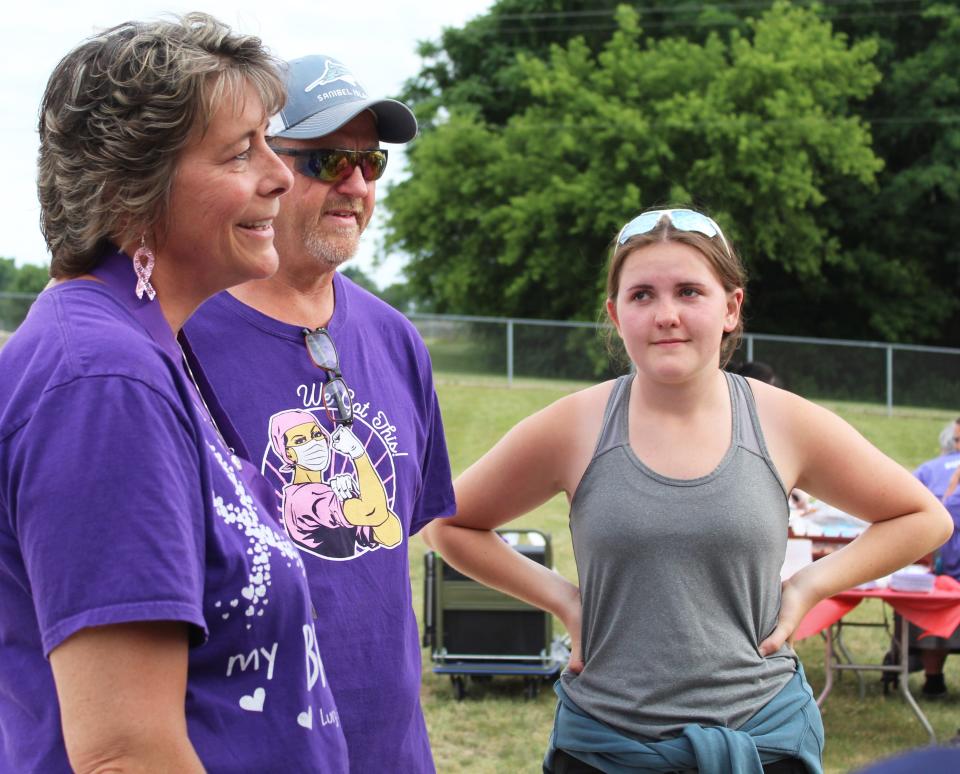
<point x="312" y="455"/>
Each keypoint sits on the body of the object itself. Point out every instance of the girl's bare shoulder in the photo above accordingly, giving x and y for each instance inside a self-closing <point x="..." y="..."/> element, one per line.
<point x="582" y="409"/>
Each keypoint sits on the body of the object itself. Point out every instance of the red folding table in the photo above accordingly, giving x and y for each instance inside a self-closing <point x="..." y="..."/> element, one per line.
<point x="936" y="612"/>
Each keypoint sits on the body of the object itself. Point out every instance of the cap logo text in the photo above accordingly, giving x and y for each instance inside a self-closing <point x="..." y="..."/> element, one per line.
<point x="333" y="71"/>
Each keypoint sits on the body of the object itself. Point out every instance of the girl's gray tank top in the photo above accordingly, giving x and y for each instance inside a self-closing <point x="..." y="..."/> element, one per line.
<point x="679" y="580"/>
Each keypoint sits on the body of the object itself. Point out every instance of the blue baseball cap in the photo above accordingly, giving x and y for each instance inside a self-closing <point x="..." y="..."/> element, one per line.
<point x="323" y="95"/>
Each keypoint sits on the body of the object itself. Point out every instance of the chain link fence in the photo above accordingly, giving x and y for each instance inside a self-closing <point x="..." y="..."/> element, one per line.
<point x="900" y="375"/>
<point x="511" y="351"/>
<point x="494" y="347"/>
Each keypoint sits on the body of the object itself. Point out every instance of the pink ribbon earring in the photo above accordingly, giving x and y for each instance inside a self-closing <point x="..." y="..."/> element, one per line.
<point x="144" y="270"/>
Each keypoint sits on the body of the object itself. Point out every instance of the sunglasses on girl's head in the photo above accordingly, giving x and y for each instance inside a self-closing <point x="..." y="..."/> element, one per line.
<point x="681" y="220"/>
<point x="331" y="164"/>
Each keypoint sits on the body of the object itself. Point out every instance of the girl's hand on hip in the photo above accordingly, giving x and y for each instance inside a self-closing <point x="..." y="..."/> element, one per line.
<point x="793" y="607"/>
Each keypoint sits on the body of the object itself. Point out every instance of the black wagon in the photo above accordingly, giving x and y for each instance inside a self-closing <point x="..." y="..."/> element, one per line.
<point x="475" y="632"/>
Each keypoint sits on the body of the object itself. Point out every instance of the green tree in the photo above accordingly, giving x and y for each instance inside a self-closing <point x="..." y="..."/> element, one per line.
<point x="754" y="126"/>
<point x="899" y="275"/>
<point x="397" y="294"/>
<point x="359" y="276"/>
<point x="903" y="238"/>
<point x="28" y="278"/>
<point x="476" y="65"/>
<point x="400" y="296"/>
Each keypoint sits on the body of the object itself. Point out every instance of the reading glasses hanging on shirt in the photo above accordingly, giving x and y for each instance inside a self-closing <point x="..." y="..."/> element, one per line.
<point x="336" y="396"/>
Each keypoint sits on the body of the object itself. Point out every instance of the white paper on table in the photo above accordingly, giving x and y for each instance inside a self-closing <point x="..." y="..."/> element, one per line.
<point x="799" y="555"/>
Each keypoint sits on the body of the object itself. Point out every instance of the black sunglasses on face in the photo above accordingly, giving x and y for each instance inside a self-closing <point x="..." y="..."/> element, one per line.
<point x="336" y="396"/>
<point x="332" y="164"/>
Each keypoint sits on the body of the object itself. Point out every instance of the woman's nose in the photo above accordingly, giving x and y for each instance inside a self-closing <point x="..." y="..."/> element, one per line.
<point x="666" y="314"/>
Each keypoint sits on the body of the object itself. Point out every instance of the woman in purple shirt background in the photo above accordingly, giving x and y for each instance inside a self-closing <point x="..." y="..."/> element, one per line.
<point x="153" y="615"/>
<point x="939" y="475"/>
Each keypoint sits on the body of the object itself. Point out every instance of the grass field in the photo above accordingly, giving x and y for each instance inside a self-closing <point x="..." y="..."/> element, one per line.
<point x="495" y="729"/>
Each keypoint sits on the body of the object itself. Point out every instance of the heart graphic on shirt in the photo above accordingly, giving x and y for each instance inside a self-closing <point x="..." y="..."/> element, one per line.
<point x="247" y="592"/>
<point x="253" y="703"/>
<point x="305" y="719"/>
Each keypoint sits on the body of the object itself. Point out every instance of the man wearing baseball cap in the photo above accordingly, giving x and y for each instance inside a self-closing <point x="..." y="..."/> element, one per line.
<point x="332" y="392"/>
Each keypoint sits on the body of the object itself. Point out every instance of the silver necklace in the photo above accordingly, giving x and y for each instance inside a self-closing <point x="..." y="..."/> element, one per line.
<point x="186" y="363"/>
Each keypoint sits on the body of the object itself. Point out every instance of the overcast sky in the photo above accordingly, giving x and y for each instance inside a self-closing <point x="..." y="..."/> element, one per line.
<point x="376" y="38"/>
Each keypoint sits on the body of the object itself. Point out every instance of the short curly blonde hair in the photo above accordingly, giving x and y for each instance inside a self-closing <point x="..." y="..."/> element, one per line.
<point x="117" y="112"/>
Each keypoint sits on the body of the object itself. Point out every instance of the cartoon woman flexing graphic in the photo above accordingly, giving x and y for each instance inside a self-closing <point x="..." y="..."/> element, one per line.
<point x="330" y="518"/>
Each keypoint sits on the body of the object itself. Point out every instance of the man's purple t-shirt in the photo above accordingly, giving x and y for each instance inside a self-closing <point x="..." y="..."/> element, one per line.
<point x="359" y="576"/>
<point x="119" y="502"/>
<point x="935" y="475"/>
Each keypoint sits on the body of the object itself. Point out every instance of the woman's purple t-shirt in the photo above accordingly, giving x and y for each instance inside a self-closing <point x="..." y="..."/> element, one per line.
<point x="119" y="502"/>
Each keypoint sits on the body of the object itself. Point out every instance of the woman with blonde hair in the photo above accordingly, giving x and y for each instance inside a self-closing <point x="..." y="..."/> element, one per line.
<point x="155" y="617"/>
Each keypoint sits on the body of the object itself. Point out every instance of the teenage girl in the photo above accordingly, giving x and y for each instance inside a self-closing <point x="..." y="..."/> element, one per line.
<point x="677" y="477"/>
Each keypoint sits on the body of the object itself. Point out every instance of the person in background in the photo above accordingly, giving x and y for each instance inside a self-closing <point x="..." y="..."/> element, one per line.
<point x="153" y="616"/>
<point x="936" y="475"/>
<point x="313" y="356"/>
<point x="926" y="760"/>
<point x="762" y="372"/>
<point x="677" y="477"/>
<point x="949" y="440"/>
